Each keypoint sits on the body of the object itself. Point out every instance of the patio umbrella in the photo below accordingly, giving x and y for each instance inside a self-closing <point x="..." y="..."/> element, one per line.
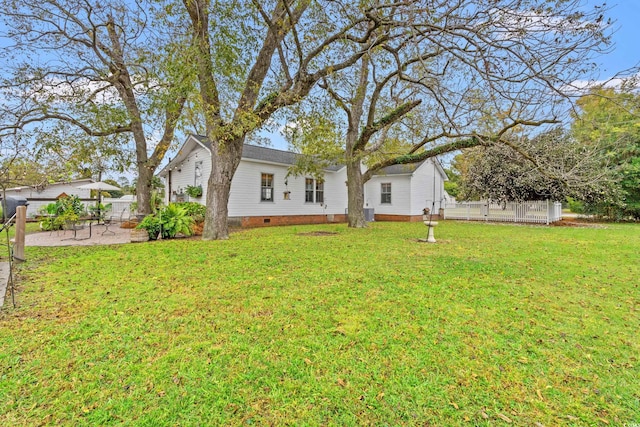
<point x="99" y="186"/>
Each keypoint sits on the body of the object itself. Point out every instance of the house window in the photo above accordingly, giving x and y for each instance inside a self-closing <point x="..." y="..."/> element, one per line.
<point x="319" y="192"/>
<point x="313" y="191"/>
<point x="385" y="193"/>
<point x="308" y="190"/>
<point x="197" y="181"/>
<point x="266" y="188"/>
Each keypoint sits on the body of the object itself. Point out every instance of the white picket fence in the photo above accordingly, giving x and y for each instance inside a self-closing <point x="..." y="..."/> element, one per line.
<point x="541" y="212"/>
<point x="119" y="207"/>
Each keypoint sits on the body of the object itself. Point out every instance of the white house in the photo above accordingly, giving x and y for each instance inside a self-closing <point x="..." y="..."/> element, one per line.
<point x="39" y="196"/>
<point x="262" y="193"/>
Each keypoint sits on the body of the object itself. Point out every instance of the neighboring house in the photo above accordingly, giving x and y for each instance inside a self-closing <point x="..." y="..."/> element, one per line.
<point x="39" y="196"/>
<point x="262" y="193"/>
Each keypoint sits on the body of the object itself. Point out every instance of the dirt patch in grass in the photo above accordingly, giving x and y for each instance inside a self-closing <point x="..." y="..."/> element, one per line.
<point x="576" y="223"/>
<point x="438" y="241"/>
<point x="318" y="233"/>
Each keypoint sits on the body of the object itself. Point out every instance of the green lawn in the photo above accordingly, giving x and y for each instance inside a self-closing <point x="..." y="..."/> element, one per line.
<point x="494" y="325"/>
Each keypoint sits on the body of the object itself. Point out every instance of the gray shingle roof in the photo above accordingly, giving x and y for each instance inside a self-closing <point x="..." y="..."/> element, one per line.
<point x="400" y="169"/>
<point x="266" y="154"/>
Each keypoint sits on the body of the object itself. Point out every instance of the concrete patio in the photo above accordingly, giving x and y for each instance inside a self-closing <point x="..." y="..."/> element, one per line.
<point x="65" y="237"/>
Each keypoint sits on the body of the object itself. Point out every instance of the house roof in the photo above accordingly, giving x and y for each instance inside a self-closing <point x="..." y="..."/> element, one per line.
<point x="400" y="169"/>
<point x="411" y="168"/>
<point x="72" y="182"/>
<point x="253" y="152"/>
<point x="273" y="155"/>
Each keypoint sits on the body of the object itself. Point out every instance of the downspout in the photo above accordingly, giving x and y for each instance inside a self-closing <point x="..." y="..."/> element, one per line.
<point x="169" y="187"/>
<point x="169" y="182"/>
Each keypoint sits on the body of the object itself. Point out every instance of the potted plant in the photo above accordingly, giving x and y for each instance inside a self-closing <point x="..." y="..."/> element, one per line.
<point x="194" y="191"/>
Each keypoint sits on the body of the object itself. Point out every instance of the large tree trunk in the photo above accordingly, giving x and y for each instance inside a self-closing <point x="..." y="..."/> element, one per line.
<point x="143" y="189"/>
<point x="224" y="162"/>
<point x="355" y="193"/>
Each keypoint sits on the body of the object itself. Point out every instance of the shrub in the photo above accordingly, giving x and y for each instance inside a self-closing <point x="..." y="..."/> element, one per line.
<point x="66" y="209"/>
<point x="152" y="224"/>
<point x="171" y="220"/>
<point x="194" y="210"/>
<point x="68" y="205"/>
<point x="175" y="220"/>
<point x="576" y="206"/>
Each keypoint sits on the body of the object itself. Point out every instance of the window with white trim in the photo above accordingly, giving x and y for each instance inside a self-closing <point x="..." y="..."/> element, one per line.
<point x="319" y="192"/>
<point x="266" y="187"/>
<point x="385" y="193"/>
<point x="313" y="191"/>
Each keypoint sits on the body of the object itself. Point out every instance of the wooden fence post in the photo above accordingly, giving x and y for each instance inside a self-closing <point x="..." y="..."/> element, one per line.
<point x="21" y="222"/>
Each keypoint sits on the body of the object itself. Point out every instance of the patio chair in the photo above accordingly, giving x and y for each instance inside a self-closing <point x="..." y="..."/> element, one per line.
<point x="75" y="226"/>
<point x="108" y="220"/>
<point x="124" y="215"/>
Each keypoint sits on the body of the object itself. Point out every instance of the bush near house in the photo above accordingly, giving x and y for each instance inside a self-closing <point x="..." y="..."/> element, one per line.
<point x="197" y="212"/>
<point x="194" y="210"/>
<point x="170" y="221"/>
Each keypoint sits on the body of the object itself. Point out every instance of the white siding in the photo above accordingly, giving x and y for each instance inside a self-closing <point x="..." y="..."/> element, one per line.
<point x="425" y="191"/>
<point x="335" y="191"/>
<point x="410" y="193"/>
<point x="244" y="199"/>
<point x="400" y="194"/>
<point x="52" y="191"/>
<point x="185" y="174"/>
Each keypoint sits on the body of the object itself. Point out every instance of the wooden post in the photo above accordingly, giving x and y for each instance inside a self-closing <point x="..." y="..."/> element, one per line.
<point x="21" y="222"/>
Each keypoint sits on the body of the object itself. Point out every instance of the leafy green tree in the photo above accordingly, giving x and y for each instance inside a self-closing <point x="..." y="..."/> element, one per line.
<point x="437" y="91"/>
<point x="452" y="186"/>
<point x="254" y="58"/>
<point x="556" y="166"/>
<point x="611" y="118"/>
<point x="105" y="69"/>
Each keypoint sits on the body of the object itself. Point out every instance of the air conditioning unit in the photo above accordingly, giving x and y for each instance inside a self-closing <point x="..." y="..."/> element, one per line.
<point x="369" y="215"/>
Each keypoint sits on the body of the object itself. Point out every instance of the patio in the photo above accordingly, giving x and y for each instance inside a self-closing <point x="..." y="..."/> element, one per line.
<point x="63" y="238"/>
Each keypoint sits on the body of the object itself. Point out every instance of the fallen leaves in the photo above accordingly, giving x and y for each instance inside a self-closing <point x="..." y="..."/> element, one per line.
<point x="504" y="418"/>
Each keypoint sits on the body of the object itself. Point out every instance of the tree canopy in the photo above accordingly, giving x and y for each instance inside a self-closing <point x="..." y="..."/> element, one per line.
<point x="595" y="162"/>
<point x="556" y="166"/>
<point x="611" y="118"/>
<point x="103" y="69"/>
<point x="466" y="73"/>
<point x="413" y="78"/>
